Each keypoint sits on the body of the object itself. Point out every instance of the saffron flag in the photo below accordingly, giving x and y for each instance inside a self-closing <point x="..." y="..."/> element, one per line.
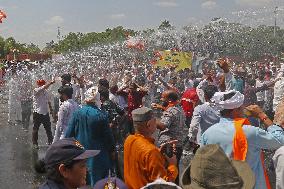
<point x="171" y="58"/>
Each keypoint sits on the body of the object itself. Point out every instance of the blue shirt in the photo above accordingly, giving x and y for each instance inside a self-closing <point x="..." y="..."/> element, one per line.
<point x="90" y="126"/>
<point x="204" y="116"/>
<point x="239" y="85"/>
<point x="223" y="132"/>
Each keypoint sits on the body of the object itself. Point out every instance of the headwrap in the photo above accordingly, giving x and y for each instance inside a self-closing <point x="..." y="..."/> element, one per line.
<point x="235" y="101"/>
<point x="93" y="95"/>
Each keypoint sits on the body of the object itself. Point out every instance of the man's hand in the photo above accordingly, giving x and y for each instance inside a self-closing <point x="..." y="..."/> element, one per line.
<point x="157" y="106"/>
<point x="172" y="142"/>
<point x="223" y="64"/>
<point x="254" y="110"/>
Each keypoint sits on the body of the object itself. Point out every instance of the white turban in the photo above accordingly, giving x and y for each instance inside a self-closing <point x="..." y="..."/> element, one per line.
<point x="93" y="95"/>
<point x="235" y="101"/>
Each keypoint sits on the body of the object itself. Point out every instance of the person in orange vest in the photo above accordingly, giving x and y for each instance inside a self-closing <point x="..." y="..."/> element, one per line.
<point x="143" y="161"/>
<point x="239" y="139"/>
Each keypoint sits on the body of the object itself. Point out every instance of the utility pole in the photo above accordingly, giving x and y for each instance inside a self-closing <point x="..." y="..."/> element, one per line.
<point x="275" y="20"/>
<point x="58" y="34"/>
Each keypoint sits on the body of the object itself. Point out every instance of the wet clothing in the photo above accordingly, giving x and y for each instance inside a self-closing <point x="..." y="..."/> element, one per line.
<point x="174" y="120"/>
<point x="112" y="109"/>
<point x="90" y="126"/>
<point x="239" y="85"/>
<point x="223" y="132"/>
<point x="26" y="106"/>
<point x="39" y="119"/>
<point x="250" y="94"/>
<point x="188" y="99"/>
<point x="14" y="101"/>
<point x="65" y="113"/>
<point x="278" y="92"/>
<point x="143" y="162"/>
<point x="134" y="100"/>
<point x="278" y="160"/>
<point x="261" y="94"/>
<point x="40" y="100"/>
<point x="204" y="116"/>
<point x="49" y="184"/>
<point x="41" y="115"/>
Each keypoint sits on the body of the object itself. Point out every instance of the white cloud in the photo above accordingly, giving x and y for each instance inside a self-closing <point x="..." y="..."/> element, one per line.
<point x="166" y="3"/>
<point x="117" y="16"/>
<point x="55" y="20"/>
<point x="255" y="3"/>
<point x="209" y="5"/>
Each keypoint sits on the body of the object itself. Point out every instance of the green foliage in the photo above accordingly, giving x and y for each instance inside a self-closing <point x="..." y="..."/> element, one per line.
<point x="226" y="39"/>
<point x="77" y="41"/>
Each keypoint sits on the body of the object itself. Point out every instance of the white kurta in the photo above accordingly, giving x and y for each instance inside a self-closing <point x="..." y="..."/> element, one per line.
<point x="14" y="102"/>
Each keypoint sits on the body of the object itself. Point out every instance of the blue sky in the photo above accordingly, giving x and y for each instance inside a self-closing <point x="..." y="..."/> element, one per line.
<point x="37" y="20"/>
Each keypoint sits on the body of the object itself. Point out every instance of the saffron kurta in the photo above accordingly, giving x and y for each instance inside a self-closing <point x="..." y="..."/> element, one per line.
<point x="143" y="162"/>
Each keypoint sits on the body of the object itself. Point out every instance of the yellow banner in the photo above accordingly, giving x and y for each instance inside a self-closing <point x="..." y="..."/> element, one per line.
<point x="179" y="60"/>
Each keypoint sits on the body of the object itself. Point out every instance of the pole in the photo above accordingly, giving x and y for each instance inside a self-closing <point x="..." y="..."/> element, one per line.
<point x="58" y="34"/>
<point x="275" y="21"/>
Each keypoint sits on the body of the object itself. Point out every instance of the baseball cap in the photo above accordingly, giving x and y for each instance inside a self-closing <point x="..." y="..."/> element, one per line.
<point x="211" y="168"/>
<point x="66" y="150"/>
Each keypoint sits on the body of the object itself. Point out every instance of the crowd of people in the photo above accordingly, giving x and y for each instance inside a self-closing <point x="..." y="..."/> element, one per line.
<point x="146" y="127"/>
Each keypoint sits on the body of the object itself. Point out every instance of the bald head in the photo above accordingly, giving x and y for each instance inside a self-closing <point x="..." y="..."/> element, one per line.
<point x="170" y="95"/>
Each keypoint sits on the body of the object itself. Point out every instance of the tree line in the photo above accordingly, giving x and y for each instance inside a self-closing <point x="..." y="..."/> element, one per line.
<point x="220" y="37"/>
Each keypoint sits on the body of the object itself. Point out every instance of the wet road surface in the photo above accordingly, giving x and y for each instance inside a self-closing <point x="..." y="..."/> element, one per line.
<point x="16" y="153"/>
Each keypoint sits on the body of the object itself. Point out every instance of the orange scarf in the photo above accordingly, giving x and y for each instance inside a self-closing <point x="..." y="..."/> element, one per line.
<point x="240" y="145"/>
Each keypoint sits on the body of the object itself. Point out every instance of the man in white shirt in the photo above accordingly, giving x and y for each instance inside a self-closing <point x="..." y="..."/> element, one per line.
<point x="278" y="88"/>
<point x="260" y="95"/>
<point x="41" y="114"/>
<point x="66" y="80"/>
<point x="66" y="110"/>
<point x="278" y="160"/>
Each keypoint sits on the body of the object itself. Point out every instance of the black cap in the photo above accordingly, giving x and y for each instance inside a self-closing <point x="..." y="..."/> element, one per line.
<point x="66" y="77"/>
<point x="66" y="150"/>
<point x="66" y="89"/>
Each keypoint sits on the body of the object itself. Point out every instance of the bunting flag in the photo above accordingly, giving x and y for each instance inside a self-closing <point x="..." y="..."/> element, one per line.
<point x="173" y="58"/>
<point x="2" y="16"/>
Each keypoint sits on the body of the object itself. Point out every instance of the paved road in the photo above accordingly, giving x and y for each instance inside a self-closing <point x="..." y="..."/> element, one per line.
<point x="16" y="154"/>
